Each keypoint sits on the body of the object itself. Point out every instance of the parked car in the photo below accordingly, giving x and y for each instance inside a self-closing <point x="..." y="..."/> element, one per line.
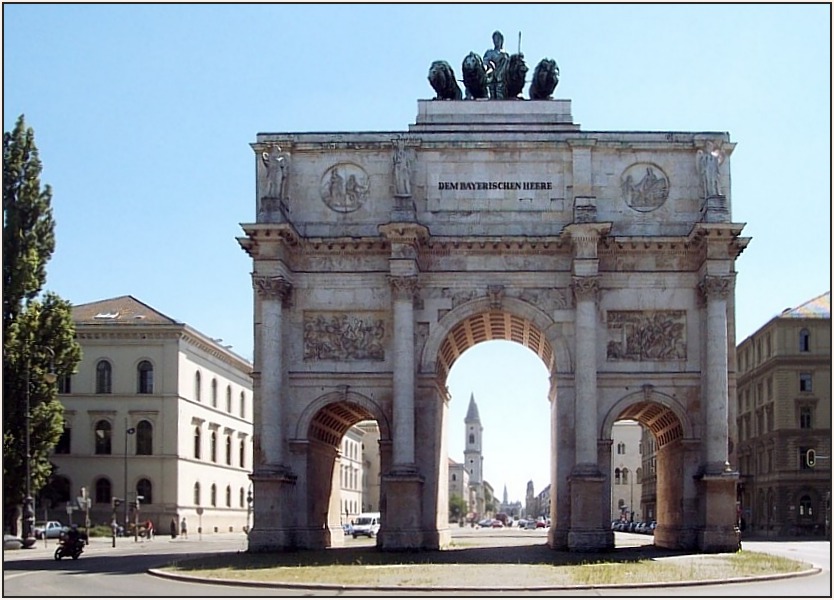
<point x="530" y="524"/>
<point x="497" y="524"/>
<point x="367" y="524"/>
<point x="485" y="523"/>
<point x="49" y="529"/>
<point x="541" y="523"/>
<point x="347" y="528"/>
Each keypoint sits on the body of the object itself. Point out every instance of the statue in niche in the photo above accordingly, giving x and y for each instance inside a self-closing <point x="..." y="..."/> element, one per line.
<point x="474" y="77"/>
<point x="545" y="80"/>
<point x="277" y="164"/>
<point x="709" y="164"/>
<point x="402" y="168"/>
<point x="442" y="79"/>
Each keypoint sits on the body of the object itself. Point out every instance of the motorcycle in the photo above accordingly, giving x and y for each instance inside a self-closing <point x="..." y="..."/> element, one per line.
<point x="72" y="548"/>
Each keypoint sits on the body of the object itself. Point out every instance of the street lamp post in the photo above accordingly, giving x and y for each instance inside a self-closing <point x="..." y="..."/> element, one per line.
<point x="128" y="431"/>
<point x="28" y="501"/>
<point x="249" y="500"/>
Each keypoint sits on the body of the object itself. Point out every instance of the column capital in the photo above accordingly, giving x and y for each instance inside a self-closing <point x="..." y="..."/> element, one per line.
<point x="403" y="287"/>
<point x="585" y="288"/>
<point x="716" y="287"/>
<point x="272" y="287"/>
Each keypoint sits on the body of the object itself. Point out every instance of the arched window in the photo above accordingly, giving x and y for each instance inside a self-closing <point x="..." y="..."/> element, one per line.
<point x="242" y="405"/>
<point x="144" y="378"/>
<point x="197" y="444"/>
<point x="144" y="438"/>
<point x="806" y="509"/>
<point x="242" y="456"/>
<point x="240" y="497"/>
<point x="471" y="438"/>
<point x="145" y="489"/>
<point x="104" y="377"/>
<point x="621" y="448"/>
<point x="616" y="476"/>
<point x="639" y="475"/>
<point x="625" y="476"/>
<point x="213" y="494"/>
<point x="197" y="494"/>
<point x="198" y="387"/>
<point x="228" y="399"/>
<point x="214" y="446"/>
<point x="104" y="437"/>
<point x="804" y="341"/>
<point x="454" y="477"/>
<point x="214" y="393"/>
<point x="103" y="491"/>
<point x="228" y="450"/>
<point x="229" y="496"/>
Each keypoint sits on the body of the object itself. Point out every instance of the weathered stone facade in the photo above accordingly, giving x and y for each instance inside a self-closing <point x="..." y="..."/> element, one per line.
<point x="388" y="254"/>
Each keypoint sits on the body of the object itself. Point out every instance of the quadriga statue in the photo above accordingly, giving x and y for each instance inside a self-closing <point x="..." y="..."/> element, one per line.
<point x="442" y="79"/>
<point x="545" y="80"/>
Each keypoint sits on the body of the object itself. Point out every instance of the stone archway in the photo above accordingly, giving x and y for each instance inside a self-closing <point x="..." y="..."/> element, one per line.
<point x="597" y="250"/>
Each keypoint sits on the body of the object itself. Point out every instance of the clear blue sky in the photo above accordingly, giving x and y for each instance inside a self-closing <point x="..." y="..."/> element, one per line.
<point x="143" y="115"/>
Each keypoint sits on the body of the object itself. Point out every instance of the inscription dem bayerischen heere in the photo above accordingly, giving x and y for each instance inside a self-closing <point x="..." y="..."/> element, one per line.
<point x="494" y="185"/>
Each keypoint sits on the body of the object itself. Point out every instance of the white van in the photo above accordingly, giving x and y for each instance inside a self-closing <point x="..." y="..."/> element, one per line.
<point x="366" y="524"/>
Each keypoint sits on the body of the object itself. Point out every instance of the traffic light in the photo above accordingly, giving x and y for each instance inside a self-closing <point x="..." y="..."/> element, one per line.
<point x="810" y="457"/>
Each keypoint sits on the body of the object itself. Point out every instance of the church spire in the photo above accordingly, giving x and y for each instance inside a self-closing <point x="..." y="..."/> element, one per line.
<point x="472" y="413"/>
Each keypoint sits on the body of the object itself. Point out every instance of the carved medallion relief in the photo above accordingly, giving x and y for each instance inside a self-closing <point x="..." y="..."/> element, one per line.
<point x="645" y="187"/>
<point x="343" y="336"/>
<point x="345" y="187"/>
<point x="646" y="335"/>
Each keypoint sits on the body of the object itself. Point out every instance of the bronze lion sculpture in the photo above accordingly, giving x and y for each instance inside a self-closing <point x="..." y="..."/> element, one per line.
<point x="442" y="79"/>
<point x="545" y="80"/>
<point x="516" y="72"/>
<point x="474" y="77"/>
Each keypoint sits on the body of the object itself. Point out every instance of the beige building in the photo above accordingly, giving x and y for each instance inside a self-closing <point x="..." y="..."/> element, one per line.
<point x="155" y="409"/>
<point x="784" y="410"/>
<point x="626" y="471"/>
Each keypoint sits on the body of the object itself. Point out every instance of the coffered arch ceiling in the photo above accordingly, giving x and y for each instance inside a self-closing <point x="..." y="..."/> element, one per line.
<point x="332" y="422"/>
<point x="658" y="419"/>
<point x="488" y="326"/>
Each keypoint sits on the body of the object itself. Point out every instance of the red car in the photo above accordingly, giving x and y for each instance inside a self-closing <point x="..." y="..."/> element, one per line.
<point x="496" y="524"/>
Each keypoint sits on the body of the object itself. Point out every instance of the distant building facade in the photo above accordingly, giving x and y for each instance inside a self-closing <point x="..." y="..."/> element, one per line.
<point x="158" y="410"/>
<point x="626" y="471"/>
<point x="784" y="410"/>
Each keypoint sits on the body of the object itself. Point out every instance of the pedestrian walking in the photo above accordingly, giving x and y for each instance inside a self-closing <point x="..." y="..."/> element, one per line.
<point x="184" y="528"/>
<point x="173" y="528"/>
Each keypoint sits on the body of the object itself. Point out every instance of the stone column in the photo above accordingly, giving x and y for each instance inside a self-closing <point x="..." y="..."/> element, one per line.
<point x="402" y="292"/>
<point x="273" y="291"/>
<point x="585" y="290"/>
<point x="716" y="291"/>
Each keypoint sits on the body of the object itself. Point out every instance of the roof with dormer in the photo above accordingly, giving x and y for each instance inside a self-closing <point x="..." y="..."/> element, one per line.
<point x="123" y="310"/>
<point x="472" y="412"/>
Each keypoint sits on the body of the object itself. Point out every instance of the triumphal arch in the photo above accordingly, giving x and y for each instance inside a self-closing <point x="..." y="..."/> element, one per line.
<point x="379" y="257"/>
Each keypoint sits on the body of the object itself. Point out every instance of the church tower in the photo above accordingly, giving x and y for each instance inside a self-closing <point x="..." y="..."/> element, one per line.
<point x="472" y="450"/>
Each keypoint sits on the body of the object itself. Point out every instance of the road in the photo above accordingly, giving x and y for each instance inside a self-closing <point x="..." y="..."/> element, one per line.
<point x="104" y="571"/>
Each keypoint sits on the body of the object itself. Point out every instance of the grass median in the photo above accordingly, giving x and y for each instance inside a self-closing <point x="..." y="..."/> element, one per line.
<point x="535" y="566"/>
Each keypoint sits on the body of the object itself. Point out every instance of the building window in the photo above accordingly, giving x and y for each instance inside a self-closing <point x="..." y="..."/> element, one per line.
<point x="803" y="459"/>
<point x="229" y="496"/>
<point x="197" y="494"/>
<point x="621" y="448"/>
<point x="144" y="438"/>
<point x="229" y="399"/>
<point x="242" y="405"/>
<point x="198" y="387"/>
<point x="806" y="382"/>
<point x="64" y="442"/>
<point x="616" y="476"/>
<point x="454" y="477"/>
<point x="639" y="475"/>
<point x="806" y="509"/>
<point x="197" y="436"/>
<point x="228" y="450"/>
<point x="145" y="489"/>
<point x="65" y="384"/>
<point x="240" y="497"/>
<point x="213" y="494"/>
<point x="104" y="377"/>
<point x="214" y="446"/>
<point x="242" y="456"/>
<point x="214" y="393"/>
<point x="804" y="341"/>
<point x="625" y="476"/>
<point x="103" y="491"/>
<point x="805" y="417"/>
<point x="471" y="439"/>
<point x="144" y="378"/>
<point x="104" y="437"/>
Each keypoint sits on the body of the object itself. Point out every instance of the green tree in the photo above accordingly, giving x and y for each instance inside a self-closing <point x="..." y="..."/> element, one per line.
<point x="38" y="331"/>
<point x="457" y="507"/>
